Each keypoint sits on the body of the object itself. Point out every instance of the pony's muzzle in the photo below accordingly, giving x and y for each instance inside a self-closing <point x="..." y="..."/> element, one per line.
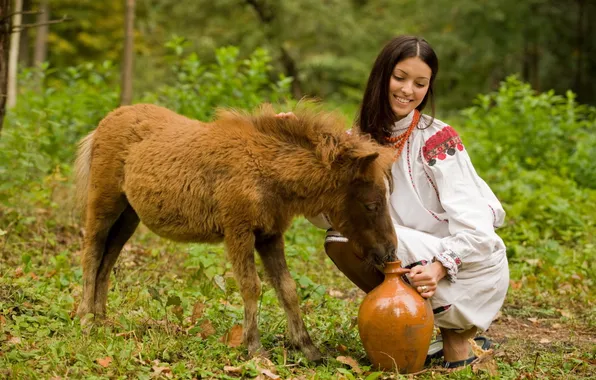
<point x="383" y="253"/>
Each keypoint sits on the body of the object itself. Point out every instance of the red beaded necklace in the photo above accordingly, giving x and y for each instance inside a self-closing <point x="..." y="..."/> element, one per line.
<point x="400" y="141"/>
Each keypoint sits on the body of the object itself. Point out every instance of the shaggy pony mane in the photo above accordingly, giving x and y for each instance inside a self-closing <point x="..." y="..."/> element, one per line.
<point x="314" y="129"/>
<point x="311" y="127"/>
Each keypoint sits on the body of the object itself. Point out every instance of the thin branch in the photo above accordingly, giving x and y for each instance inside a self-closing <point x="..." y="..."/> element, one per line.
<point x="9" y="16"/>
<point x="26" y="26"/>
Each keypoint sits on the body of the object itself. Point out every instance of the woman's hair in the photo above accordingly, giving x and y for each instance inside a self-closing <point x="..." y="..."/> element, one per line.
<point x="376" y="115"/>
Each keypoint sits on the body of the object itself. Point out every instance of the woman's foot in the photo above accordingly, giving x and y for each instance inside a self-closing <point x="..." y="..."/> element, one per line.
<point x="456" y="347"/>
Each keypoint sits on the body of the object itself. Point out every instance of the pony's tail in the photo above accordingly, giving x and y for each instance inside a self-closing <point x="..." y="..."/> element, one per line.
<point x="82" y="166"/>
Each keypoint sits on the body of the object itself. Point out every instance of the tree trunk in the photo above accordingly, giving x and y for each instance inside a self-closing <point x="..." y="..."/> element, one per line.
<point x="41" y="37"/>
<point x="5" y="10"/>
<point x="127" y="59"/>
<point x="13" y="56"/>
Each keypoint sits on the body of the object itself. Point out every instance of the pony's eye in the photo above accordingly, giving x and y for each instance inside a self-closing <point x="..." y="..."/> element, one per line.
<point x="372" y="206"/>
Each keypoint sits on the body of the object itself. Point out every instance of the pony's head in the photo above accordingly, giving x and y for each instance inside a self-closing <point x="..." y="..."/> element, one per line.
<point x="362" y="215"/>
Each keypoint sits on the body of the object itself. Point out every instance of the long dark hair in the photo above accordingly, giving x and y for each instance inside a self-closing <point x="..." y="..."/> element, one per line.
<point x="376" y="115"/>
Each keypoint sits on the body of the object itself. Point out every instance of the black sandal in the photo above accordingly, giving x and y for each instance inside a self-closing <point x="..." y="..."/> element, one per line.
<point x="460" y="363"/>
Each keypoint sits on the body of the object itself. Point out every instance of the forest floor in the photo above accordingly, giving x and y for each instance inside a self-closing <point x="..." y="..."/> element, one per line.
<point x="175" y="312"/>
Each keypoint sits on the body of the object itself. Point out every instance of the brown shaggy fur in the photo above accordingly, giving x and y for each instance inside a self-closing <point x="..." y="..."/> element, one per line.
<point x="240" y="179"/>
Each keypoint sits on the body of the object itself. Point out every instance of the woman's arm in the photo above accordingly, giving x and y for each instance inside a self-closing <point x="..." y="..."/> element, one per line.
<point x="471" y="207"/>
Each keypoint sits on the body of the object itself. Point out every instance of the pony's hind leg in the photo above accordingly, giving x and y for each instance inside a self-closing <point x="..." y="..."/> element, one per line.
<point x="119" y="234"/>
<point x="103" y="210"/>
<point x="241" y="254"/>
<point x="271" y="250"/>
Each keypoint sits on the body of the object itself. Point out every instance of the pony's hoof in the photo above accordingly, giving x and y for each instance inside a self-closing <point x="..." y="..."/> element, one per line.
<point x="313" y="354"/>
<point x="260" y="353"/>
<point x="87" y="322"/>
<point x="255" y="350"/>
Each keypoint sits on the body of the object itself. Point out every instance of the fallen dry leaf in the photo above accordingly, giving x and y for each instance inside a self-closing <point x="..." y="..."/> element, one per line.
<point x="515" y="284"/>
<point x="18" y="272"/>
<point x="486" y="364"/>
<point x="163" y="371"/>
<point x="233" y="338"/>
<point x="197" y="312"/>
<point x="269" y="374"/>
<point x="350" y="362"/>
<point x="485" y="359"/>
<point x="233" y="370"/>
<point x="126" y="333"/>
<point x="336" y="293"/>
<point x="104" y="362"/>
<point x="265" y="367"/>
<point x="341" y="348"/>
<point x="544" y="341"/>
<point x="14" y="340"/>
<point x="533" y="320"/>
<point x="207" y="329"/>
<point x="566" y="314"/>
<point x="51" y="273"/>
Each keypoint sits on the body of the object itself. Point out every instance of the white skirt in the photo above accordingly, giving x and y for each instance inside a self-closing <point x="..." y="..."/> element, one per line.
<point x="477" y="294"/>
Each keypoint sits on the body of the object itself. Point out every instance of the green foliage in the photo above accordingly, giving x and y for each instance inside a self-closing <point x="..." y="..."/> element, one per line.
<point x="535" y="130"/>
<point x="230" y="82"/>
<point x="55" y="109"/>
<point x="536" y="151"/>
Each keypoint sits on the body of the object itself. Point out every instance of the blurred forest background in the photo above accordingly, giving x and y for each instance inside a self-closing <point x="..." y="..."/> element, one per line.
<point x="328" y="47"/>
<point x="516" y="80"/>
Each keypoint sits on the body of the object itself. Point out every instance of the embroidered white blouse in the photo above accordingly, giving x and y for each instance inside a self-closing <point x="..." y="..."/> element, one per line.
<point x="438" y="192"/>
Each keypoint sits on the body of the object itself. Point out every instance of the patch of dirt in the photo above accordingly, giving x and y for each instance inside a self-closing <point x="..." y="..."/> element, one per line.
<point x="539" y="331"/>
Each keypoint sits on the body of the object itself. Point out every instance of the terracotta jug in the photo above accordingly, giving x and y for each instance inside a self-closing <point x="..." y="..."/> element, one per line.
<point x="395" y="324"/>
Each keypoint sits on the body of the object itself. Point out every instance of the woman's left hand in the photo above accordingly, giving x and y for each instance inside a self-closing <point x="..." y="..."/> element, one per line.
<point x="424" y="278"/>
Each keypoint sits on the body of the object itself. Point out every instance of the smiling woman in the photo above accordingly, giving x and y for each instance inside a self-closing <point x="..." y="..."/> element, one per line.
<point x="444" y="214"/>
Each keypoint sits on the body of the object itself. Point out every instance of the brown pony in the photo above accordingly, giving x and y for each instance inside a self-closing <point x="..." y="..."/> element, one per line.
<point x="240" y="179"/>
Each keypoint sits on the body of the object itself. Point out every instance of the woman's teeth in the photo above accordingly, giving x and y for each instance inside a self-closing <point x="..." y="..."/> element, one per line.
<point x="401" y="100"/>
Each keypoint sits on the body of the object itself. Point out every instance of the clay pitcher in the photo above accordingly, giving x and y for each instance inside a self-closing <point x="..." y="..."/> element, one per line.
<point x="395" y="324"/>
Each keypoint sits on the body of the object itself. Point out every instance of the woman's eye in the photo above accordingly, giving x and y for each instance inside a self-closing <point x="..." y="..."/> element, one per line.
<point x="420" y="85"/>
<point x="371" y="206"/>
<point x="398" y="78"/>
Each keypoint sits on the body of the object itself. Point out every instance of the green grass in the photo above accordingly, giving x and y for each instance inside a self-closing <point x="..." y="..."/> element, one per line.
<point x="543" y="333"/>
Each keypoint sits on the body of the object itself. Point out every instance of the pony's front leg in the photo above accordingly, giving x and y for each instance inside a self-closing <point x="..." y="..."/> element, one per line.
<point x="241" y="253"/>
<point x="271" y="250"/>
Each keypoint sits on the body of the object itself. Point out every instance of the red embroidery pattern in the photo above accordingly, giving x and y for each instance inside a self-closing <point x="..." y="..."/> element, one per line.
<point x="428" y="177"/>
<point x="443" y="143"/>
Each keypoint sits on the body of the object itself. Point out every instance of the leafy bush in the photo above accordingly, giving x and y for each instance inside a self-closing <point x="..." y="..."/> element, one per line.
<point x="230" y="82"/>
<point x="54" y="110"/>
<point x="535" y="130"/>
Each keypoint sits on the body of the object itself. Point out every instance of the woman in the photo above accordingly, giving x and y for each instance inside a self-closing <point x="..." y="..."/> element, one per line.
<point x="444" y="214"/>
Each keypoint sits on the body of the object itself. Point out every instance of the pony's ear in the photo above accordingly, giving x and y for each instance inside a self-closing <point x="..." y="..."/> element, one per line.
<point x="362" y="163"/>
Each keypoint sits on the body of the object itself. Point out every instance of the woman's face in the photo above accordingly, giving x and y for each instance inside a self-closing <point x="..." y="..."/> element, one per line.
<point x="408" y="85"/>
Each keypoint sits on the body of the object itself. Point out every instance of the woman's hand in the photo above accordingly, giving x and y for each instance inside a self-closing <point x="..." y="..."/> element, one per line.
<point x="424" y="278"/>
<point x="286" y="115"/>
